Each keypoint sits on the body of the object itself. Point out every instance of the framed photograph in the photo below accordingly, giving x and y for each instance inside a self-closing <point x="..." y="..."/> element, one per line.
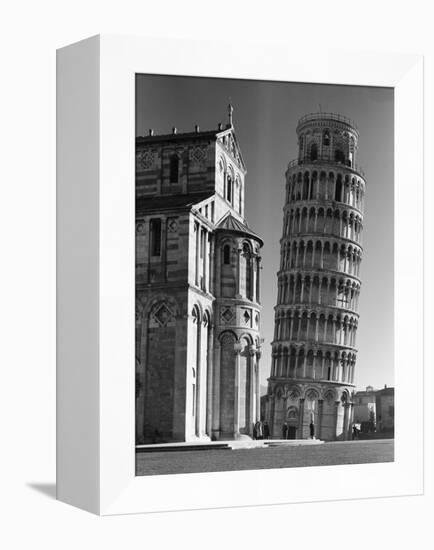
<point x="239" y="295"/>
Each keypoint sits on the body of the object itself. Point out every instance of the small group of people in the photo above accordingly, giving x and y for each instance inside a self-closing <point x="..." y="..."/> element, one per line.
<point x="291" y="434"/>
<point x="261" y="430"/>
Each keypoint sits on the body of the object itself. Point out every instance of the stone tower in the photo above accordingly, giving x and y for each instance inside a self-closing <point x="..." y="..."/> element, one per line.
<point x="197" y="289"/>
<point x="316" y="316"/>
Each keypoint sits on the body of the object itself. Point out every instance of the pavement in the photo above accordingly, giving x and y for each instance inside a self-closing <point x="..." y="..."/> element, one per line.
<point x="293" y="456"/>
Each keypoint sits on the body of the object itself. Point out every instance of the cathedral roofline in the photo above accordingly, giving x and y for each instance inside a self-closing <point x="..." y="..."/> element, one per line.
<point x="170" y="202"/>
<point x="230" y="223"/>
<point x="175" y="136"/>
<point x="213" y="135"/>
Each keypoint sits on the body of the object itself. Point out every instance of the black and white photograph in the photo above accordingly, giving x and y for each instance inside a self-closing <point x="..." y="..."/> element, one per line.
<point x="264" y="274"/>
<point x="218" y="255"/>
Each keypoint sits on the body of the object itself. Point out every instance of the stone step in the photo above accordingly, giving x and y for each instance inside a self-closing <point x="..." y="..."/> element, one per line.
<point x="168" y="447"/>
<point x="236" y="444"/>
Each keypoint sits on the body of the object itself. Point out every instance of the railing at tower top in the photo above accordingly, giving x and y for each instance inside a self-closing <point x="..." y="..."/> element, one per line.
<point x="327" y="116"/>
<point x="327" y="160"/>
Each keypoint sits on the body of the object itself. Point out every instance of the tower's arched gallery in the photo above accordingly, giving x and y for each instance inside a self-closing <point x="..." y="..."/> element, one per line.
<point x="197" y="289"/>
<point x="316" y="317"/>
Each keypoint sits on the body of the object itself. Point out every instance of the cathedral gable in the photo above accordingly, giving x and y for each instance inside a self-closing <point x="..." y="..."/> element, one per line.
<point x="229" y="143"/>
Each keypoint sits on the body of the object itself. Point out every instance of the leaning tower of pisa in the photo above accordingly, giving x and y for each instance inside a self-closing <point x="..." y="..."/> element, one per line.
<point x="316" y="317"/>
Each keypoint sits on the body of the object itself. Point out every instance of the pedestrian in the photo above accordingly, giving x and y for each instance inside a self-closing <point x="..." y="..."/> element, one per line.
<point x="266" y="430"/>
<point x="355" y="432"/>
<point x="284" y="430"/>
<point x="255" y="433"/>
<point x="312" y="430"/>
<point x="258" y="427"/>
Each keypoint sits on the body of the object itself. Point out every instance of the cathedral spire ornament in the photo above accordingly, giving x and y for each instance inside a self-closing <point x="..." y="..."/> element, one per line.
<point x="230" y="113"/>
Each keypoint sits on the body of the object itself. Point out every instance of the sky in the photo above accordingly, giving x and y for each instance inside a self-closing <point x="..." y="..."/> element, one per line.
<point x="265" y="118"/>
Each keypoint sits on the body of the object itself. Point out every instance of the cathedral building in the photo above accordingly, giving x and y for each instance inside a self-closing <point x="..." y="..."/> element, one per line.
<point x="311" y="382"/>
<point x="197" y="289"/>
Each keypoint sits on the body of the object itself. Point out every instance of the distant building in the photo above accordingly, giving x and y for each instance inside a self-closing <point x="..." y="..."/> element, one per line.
<point x="365" y="409"/>
<point x="385" y="406"/>
<point x="375" y="409"/>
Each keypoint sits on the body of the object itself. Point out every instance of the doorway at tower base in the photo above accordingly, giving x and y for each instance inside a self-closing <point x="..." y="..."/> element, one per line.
<point x="303" y="410"/>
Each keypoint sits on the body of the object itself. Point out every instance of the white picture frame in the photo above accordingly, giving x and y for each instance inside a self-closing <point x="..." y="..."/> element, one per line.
<point x="96" y="274"/>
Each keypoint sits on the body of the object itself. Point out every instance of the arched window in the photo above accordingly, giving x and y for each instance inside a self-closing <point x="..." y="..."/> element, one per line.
<point x="339" y="156"/>
<point x="326" y="138"/>
<point x="338" y="190"/>
<point x="314" y="152"/>
<point x="226" y="254"/>
<point x="174" y="169"/>
<point x="229" y="184"/>
<point x="246" y="271"/>
<point x="306" y="186"/>
<point x="155" y="230"/>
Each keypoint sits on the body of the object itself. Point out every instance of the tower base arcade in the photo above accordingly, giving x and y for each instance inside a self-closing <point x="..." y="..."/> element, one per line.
<point x="302" y="409"/>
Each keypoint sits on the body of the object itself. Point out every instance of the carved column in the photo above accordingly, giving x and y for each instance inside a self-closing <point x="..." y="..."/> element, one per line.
<point x="147" y="232"/>
<point x="197" y="228"/>
<point x="257" y="387"/>
<point x="210" y="381"/>
<point x="291" y="324"/>
<point x="205" y="286"/>
<point x="348" y="420"/>
<point x="216" y="392"/>
<point x="211" y="245"/>
<point x="237" y="352"/>
<point x="238" y="275"/>
<point x="301" y="418"/>
<point x="344" y="426"/>
<point x="199" y="377"/>
<point x="337" y="403"/>
<point x="254" y="274"/>
<point x="252" y="384"/>
<point x="314" y="360"/>
<point x="258" y="280"/>
<point x="320" y="414"/>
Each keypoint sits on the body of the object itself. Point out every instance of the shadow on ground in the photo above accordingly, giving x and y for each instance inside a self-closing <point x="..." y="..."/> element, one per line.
<point x="47" y="489"/>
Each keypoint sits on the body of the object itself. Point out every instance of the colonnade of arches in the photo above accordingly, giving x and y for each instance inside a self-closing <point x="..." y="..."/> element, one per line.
<point x="239" y="388"/>
<point x="317" y="289"/>
<point x="320" y="254"/>
<point x="240" y="266"/>
<point x="200" y="342"/>
<point x="341" y="223"/>
<point x="329" y="144"/>
<point x="322" y="327"/>
<point x="335" y="185"/>
<point x="290" y="362"/>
